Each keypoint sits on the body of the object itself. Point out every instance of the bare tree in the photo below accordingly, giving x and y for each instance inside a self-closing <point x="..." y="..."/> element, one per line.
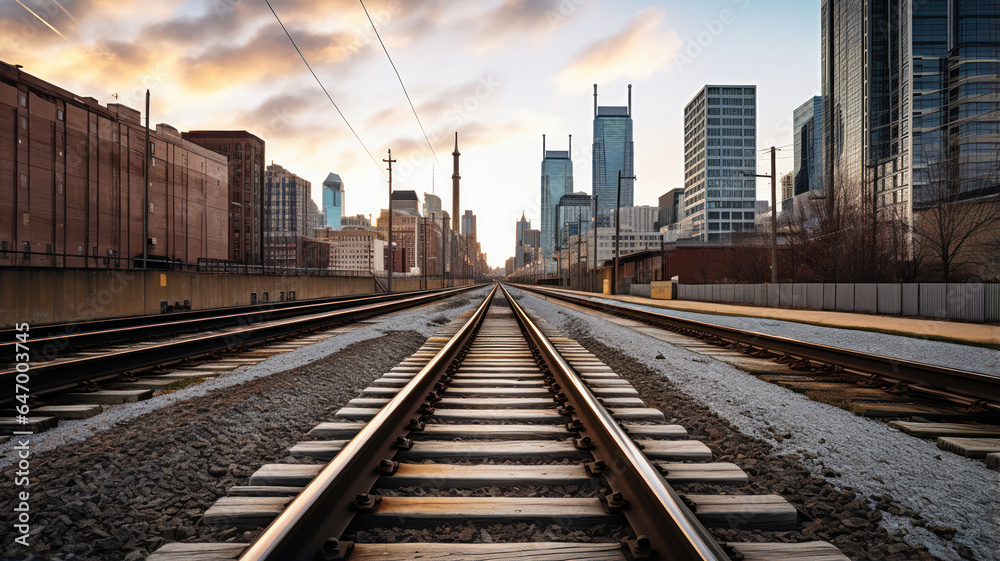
<point x="957" y="220"/>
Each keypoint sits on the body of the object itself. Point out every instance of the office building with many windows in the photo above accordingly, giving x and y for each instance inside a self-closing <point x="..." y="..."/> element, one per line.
<point x="613" y="152"/>
<point x="557" y="180"/>
<point x="807" y="124"/>
<point x="287" y="220"/>
<point x="333" y="201"/>
<point x="720" y="161"/>
<point x="574" y="214"/>
<point x="910" y="92"/>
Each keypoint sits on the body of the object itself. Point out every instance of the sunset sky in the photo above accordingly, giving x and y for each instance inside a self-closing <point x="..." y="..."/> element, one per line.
<point x="500" y="72"/>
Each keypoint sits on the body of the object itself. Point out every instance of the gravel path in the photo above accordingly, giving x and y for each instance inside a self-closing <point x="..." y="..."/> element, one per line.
<point x="152" y="471"/>
<point x="943" y="502"/>
<point x="975" y="359"/>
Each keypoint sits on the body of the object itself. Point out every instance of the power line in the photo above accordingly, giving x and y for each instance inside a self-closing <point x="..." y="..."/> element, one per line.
<point x="328" y="96"/>
<point x="400" y="78"/>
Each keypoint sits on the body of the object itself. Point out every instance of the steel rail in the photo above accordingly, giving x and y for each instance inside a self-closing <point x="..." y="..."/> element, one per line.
<point x="308" y="529"/>
<point x="653" y="508"/>
<point x="974" y="385"/>
<point x="64" y="374"/>
<point x="70" y="336"/>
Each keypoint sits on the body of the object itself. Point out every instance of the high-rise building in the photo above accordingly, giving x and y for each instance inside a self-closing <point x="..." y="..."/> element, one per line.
<point x="333" y="201"/>
<point x="519" y="228"/>
<point x="639" y="218"/>
<point x="613" y="152"/>
<point x="406" y="201"/>
<point x="910" y="93"/>
<point x="557" y="180"/>
<point x="469" y="224"/>
<point x="671" y="208"/>
<point x="71" y="184"/>
<point x="245" y="152"/>
<point x="788" y="186"/>
<point x="357" y="222"/>
<point x="574" y="214"/>
<point x="720" y="161"/>
<point x="807" y="122"/>
<point x="286" y="200"/>
<point x="432" y="205"/>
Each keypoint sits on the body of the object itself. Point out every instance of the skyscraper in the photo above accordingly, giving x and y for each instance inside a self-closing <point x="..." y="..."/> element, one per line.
<point x="286" y="199"/>
<point x="333" y="201"/>
<point x="432" y="205"/>
<point x="613" y="152"/>
<point x="469" y="224"/>
<point x="909" y="99"/>
<point x="720" y="161"/>
<point x="574" y="214"/>
<point x="808" y="148"/>
<point x="557" y="180"/>
<point x="519" y="228"/>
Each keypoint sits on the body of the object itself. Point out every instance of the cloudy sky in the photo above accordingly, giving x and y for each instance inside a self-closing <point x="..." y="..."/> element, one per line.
<point x="500" y="72"/>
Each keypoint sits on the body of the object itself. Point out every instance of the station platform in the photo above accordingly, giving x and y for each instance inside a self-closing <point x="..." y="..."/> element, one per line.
<point x="922" y="328"/>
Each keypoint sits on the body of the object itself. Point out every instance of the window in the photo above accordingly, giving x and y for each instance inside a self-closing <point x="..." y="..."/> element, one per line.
<point x="24" y="100"/>
<point x="24" y="123"/>
<point x="60" y="115"/>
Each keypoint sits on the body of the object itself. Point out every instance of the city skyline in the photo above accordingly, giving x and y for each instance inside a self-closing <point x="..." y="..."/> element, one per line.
<point x="226" y="65"/>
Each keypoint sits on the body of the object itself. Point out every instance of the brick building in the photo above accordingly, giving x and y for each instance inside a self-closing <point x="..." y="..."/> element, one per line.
<point x="245" y="152"/>
<point x="71" y="183"/>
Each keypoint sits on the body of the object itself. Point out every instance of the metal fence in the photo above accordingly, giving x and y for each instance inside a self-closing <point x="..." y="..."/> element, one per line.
<point x="971" y="302"/>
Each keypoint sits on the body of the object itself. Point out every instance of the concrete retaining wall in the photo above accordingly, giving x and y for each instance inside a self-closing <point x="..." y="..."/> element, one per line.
<point x="67" y="295"/>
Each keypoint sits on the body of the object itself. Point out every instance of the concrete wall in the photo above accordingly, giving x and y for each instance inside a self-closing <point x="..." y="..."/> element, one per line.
<point x="970" y="302"/>
<point x="39" y="296"/>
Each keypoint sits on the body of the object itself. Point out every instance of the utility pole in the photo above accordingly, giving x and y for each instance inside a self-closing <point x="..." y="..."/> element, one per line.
<point x="579" y="247"/>
<point x="392" y="256"/>
<point x="618" y="223"/>
<point x="145" y="195"/>
<point x="774" y="218"/>
<point x="774" y="214"/>
<point x="595" y="240"/>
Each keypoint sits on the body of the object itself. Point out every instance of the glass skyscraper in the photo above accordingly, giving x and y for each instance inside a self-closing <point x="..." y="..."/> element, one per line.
<point x="333" y="200"/>
<point x="557" y="180"/>
<point x="574" y="215"/>
<point x="910" y="98"/>
<point x="808" y="149"/>
<point x="720" y="161"/>
<point x="613" y="151"/>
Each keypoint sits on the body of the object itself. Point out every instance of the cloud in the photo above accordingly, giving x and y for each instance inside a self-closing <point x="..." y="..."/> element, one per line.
<point x="638" y="51"/>
<point x="267" y="55"/>
<point x="494" y="28"/>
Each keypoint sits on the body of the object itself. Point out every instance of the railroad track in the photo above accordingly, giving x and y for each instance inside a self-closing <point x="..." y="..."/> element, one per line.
<point x="67" y="385"/>
<point x="867" y="384"/>
<point x="498" y="419"/>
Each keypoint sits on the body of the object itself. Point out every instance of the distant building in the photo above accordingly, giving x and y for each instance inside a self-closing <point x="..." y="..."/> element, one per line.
<point x="720" y="161"/>
<point x="557" y="180"/>
<point x="574" y="214"/>
<point x="469" y="224"/>
<point x="357" y="222"/>
<point x="354" y="250"/>
<point x="286" y="199"/>
<point x="333" y="201"/>
<point x="245" y="153"/>
<point x="788" y="186"/>
<point x="671" y="205"/>
<point x="406" y="201"/>
<point x="508" y="266"/>
<point x="432" y="205"/>
<point x="312" y="214"/>
<point x="639" y="218"/>
<point x="404" y="250"/>
<point x="613" y="152"/>
<point x="519" y="228"/>
<point x="808" y="147"/>
<point x="761" y="207"/>
<point x="71" y="184"/>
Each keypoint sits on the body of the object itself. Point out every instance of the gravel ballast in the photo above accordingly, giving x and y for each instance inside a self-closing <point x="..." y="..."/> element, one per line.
<point x="943" y="502"/>
<point x="121" y="484"/>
